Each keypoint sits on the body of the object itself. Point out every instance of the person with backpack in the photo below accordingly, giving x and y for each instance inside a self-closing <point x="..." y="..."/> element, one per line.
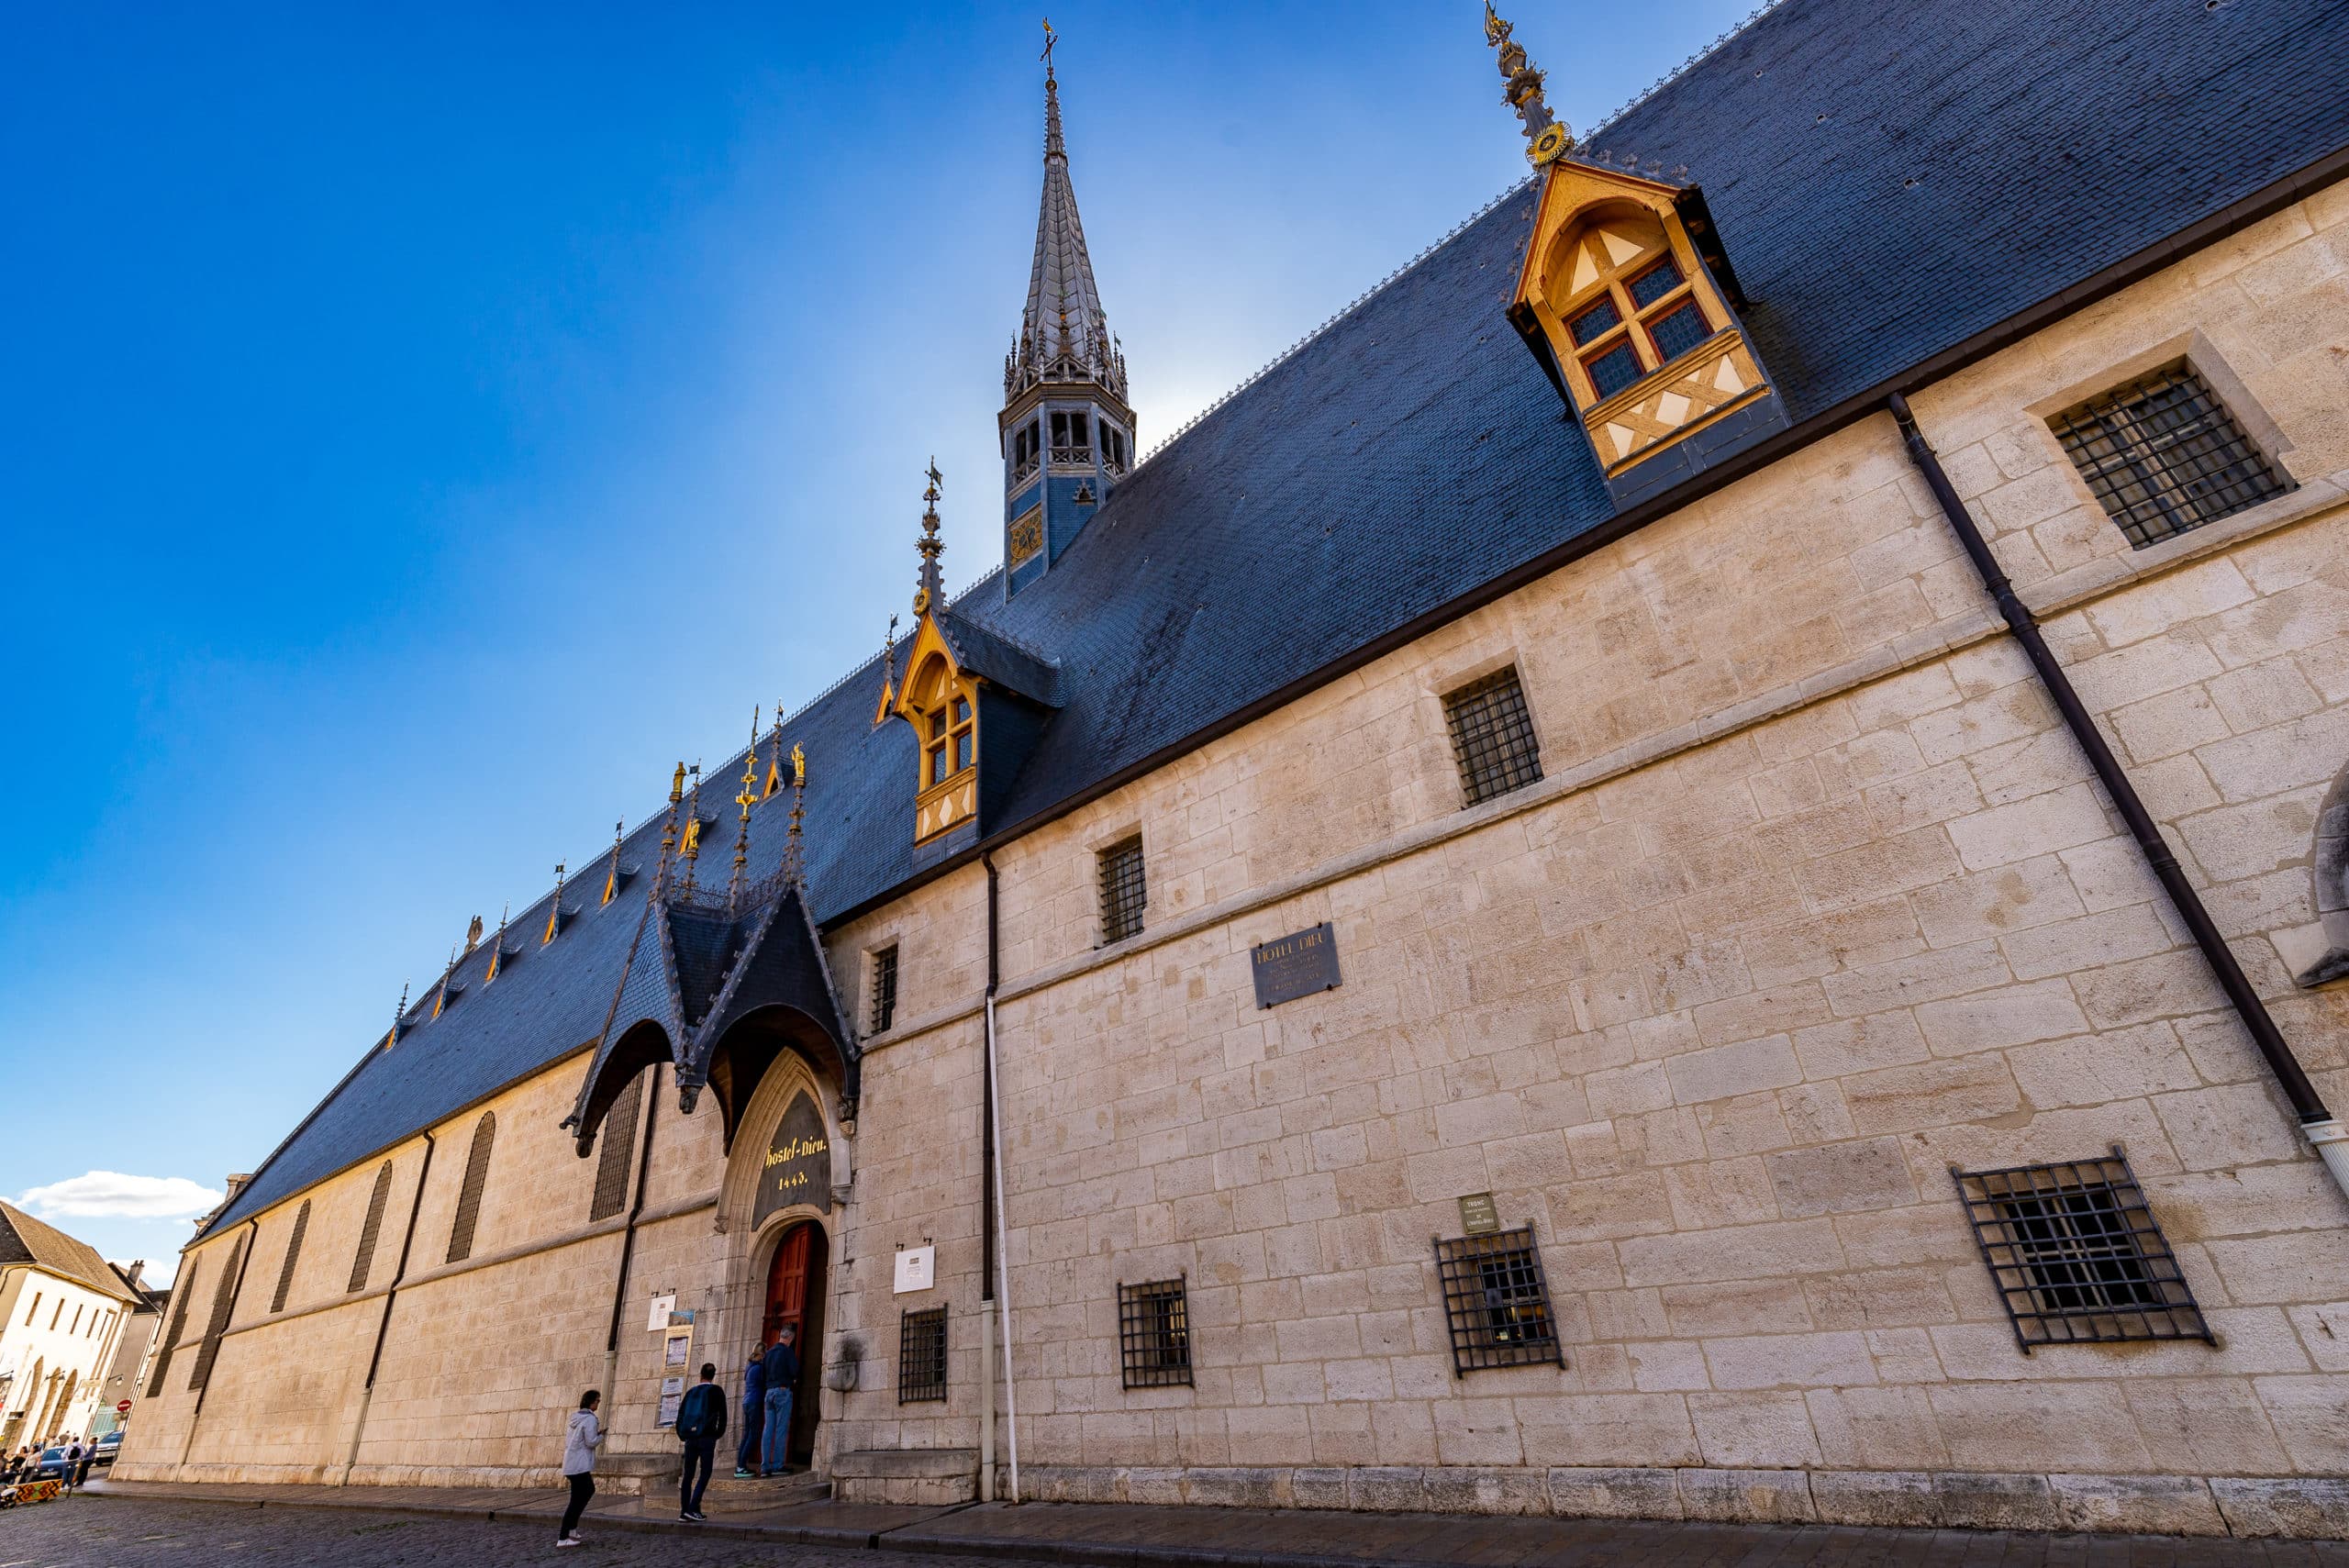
<point x="754" y="1409"/>
<point x="783" y="1376"/>
<point x="580" y="1441"/>
<point x="73" y="1451"/>
<point x="701" y="1421"/>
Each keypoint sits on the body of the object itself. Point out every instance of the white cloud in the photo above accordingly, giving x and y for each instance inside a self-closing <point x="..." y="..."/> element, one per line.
<point x="112" y="1195"/>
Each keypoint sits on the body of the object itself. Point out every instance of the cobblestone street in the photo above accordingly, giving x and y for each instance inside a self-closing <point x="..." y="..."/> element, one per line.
<point x="152" y="1532"/>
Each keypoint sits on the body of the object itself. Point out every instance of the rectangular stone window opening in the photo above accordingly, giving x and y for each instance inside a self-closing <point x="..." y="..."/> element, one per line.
<point x="1155" y="1334"/>
<point x="1497" y="1301"/>
<point x="2164" y="455"/>
<point x="1492" y="737"/>
<point x="884" y="989"/>
<point x="2077" y="1255"/>
<point x="921" y="1356"/>
<point x="1123" y="890"/>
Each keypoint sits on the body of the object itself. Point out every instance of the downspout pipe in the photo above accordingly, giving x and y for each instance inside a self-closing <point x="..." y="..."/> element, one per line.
<point x="383" y="1324"/>
<point x="2323" y="1130"/>
<point x="1000" y="1275"/>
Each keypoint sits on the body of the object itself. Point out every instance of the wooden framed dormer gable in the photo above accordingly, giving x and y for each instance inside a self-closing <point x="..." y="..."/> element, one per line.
<point x="1626" y="298"/>
<point x="940" y="701"/>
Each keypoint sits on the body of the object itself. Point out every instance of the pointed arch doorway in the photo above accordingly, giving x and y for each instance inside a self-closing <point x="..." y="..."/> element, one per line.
<point x="795" y="1298"/>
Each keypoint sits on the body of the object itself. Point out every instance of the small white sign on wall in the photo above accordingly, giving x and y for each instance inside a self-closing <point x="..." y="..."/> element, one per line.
<point x="661" y="1306"/>
<point x="917" y="1269"/>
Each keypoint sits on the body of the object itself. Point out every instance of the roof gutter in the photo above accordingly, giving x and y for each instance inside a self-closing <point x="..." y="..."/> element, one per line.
<point x="2261" y="204"/>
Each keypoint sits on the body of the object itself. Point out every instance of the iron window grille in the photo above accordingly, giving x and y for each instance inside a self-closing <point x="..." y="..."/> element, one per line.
<point x="612" y="1161"/>
<point x="181" y="1295"/>
<point x="1492" y="737"/>
<point x="224" y="1301"/>
<point x="1122" y="891"/>
<point x="460" y="1230"/>
<point x="1497" y="1301"/>
<point x="1155" y="1334"/>
<point x="293" y="1257"/>
<point x="366" y="1257"/>
<point x="921" y="1356"/>
<point x="2075" y="1254"/>
<point x="2162" y="454"/>
<point x="884" y="989"/>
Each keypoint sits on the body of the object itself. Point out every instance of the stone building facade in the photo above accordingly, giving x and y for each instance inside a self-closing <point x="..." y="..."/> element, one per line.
<point x="1815" y="910"/>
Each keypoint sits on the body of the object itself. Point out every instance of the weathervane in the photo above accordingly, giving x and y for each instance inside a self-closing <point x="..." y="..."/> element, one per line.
<point x="1051" y="38"/>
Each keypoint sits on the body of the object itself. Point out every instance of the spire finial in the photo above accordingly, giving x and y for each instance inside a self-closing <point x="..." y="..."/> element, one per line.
<point x="932" y="591"/>
<point x="399" y="1016"/>
<point x="1546" y="135"/>
<point x="794" y="852"/>
<point x="612" y="877"/>
<point x="497" y="945"/>
<point x="1054" y="146"/>
<point x="555" y="916"/>
<point x="441" y="996"/>
<point x="668" y="835"/>
<point x="691" y="847"/>
<point x="748" y="798"/>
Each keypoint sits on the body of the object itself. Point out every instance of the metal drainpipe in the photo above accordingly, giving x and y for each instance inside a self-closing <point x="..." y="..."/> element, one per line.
<point x="994" y="1160"/>
<point x="987" y="1224"/>
<point x="628" y="1243"/>
<point x="383" y="1324"/>
<point x="244" y="1261"/>
<point x="2323" y="1130"/>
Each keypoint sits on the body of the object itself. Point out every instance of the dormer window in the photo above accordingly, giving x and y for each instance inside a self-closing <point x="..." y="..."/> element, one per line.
<point x="953" y="742"/>
<point x="1640" y="313"/>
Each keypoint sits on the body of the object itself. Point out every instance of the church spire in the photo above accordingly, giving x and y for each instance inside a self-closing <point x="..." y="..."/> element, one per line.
<point x="1064" y="332"/>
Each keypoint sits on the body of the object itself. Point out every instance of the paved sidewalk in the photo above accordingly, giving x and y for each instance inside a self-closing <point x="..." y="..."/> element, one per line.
<point x="1141" y="1537"/>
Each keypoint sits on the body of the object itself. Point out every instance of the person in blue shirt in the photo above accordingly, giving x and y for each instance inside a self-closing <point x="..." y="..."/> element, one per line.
<point x="783" y="1376"/>
<point x="754" y="1414"/>
<point x="701" y="1421"/>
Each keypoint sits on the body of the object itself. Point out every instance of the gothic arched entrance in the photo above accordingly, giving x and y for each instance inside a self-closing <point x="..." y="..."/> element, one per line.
<point x="795" y="1300"/>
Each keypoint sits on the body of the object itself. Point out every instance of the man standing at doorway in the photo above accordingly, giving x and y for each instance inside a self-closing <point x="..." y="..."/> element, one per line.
<point x="783" y="1376"/>
<point x="755" y="1413"/>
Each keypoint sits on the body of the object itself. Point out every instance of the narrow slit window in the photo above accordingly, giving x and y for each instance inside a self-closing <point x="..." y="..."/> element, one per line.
<point x="224" y="1301"/>
<point x="183" y="1291"/>
<point x="921" y="1356"/>
<point x="1492" y="737"/>
<point x="1155" y="1334"/>
<point x="364" y="1258"/>
<point x="1123" y="892"/>
<point x="2077" y="1255"/>
<point x="460" y="1230"/>
<point x="619" y="1142"/>
<point x="293" y="1258"/>
<point x="1497" y="1301"/>
<point x="2164" y="455"/>
<point x="884" y="989"/>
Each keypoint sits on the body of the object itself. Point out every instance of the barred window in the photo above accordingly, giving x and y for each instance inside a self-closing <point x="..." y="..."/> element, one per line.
<point x="1155" y="1334"/>
<point x="1492" y="736"/>
<point x="619" y="1141"/>
<point x="224" y="1301"/>
<point x="461" y="1233"/>
<point x="921" y="1356"/>
<point x="1497" y="1301"/>
<point x="1123" y="893"/>
<point x="885" y="988"/>
<point x="365" y="1258"/>
<point x="293" y="1257"/>
<point x="183" y="1291"/>
<point x="2164" y="455"/>
<point x="2077" y="1255"/>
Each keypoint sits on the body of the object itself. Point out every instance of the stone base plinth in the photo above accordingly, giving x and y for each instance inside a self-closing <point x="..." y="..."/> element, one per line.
<point x="937" y="1477"/>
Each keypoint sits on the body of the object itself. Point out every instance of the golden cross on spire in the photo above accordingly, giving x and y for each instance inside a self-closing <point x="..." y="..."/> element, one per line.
<point x="1051" y="38"/>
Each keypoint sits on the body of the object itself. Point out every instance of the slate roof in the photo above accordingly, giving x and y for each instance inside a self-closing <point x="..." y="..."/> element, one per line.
<point x="1888" y="185"/>
<point x="24" y="1240"/>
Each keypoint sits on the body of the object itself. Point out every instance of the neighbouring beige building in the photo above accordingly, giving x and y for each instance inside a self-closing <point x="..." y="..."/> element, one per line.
<point x="1691" y="865"/>
<point x="62" y="1312"/>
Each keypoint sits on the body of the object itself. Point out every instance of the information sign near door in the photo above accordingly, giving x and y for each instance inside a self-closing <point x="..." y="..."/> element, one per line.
<point x="1299" y="965"/>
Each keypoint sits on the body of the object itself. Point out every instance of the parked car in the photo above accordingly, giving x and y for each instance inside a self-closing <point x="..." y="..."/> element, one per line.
<point x="107" y="1447"/>
<point x="51" y="1466"/>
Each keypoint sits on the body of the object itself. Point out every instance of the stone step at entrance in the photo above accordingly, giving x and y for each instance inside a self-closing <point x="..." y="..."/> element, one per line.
<point x="637" y="1474"/>
<point x="727" y="1495"/>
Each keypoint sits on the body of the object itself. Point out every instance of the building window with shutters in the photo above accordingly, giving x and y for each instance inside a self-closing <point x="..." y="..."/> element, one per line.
<point x="461" y="1233"/>
<point x="884" y="989"/>
<point x="2164" y="455"/>
<point x="1492" y="737"/>
<point x="619" y="1141"/>
<point x="366" y="1257"/>
<point x="293" y="1258"/>
<point x="1123" y="890"/>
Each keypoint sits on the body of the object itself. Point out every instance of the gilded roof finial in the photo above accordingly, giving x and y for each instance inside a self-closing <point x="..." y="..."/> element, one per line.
<point x="775" y="754"/>
<point x="1546" y="135"/>
<point x="441" y="996"/>
<point x="668" y="835"/>
<point x="888" y="673"/>
<point x="399" y="1016"/>
<point x="691" y="847"/>
<point x="931" y="594"/>
<point x="554" y="916"/>
<point x="747" y="799"/>
<point x="612" y="877"/>
<point x="1054" y="146"/>
<point x="793" y="852"/>
<point x="497" y="945"/>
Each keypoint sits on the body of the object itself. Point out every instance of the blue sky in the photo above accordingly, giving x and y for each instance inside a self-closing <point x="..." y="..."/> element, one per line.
<point x="422" y="427"/>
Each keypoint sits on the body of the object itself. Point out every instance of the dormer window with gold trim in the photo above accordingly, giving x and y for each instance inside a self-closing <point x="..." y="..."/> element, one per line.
<point x="941" y="704"/>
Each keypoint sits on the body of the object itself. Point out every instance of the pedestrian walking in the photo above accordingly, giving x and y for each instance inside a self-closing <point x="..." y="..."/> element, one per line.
<point x="755" y="1413"/>
<point x="783" y="1376"/>
<point x="73" y="1463"/>
<point x="701" y="1421"/>
<point x="580" y="1442"/>
<point x="89" y="1457"/>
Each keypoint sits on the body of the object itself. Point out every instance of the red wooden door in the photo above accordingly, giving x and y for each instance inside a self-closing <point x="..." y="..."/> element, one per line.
<point x="787" y="1288"/>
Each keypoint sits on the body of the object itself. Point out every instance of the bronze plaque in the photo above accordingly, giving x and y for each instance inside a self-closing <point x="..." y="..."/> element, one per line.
<point x="1295" y="966"/>
<point x="1478" y="1215"/>
<point x="798" y="1163"/>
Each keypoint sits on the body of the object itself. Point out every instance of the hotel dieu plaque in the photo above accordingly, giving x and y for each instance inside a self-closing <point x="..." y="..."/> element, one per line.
<point x="798" y="1163"/>
<point x="1295" y="966"/>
